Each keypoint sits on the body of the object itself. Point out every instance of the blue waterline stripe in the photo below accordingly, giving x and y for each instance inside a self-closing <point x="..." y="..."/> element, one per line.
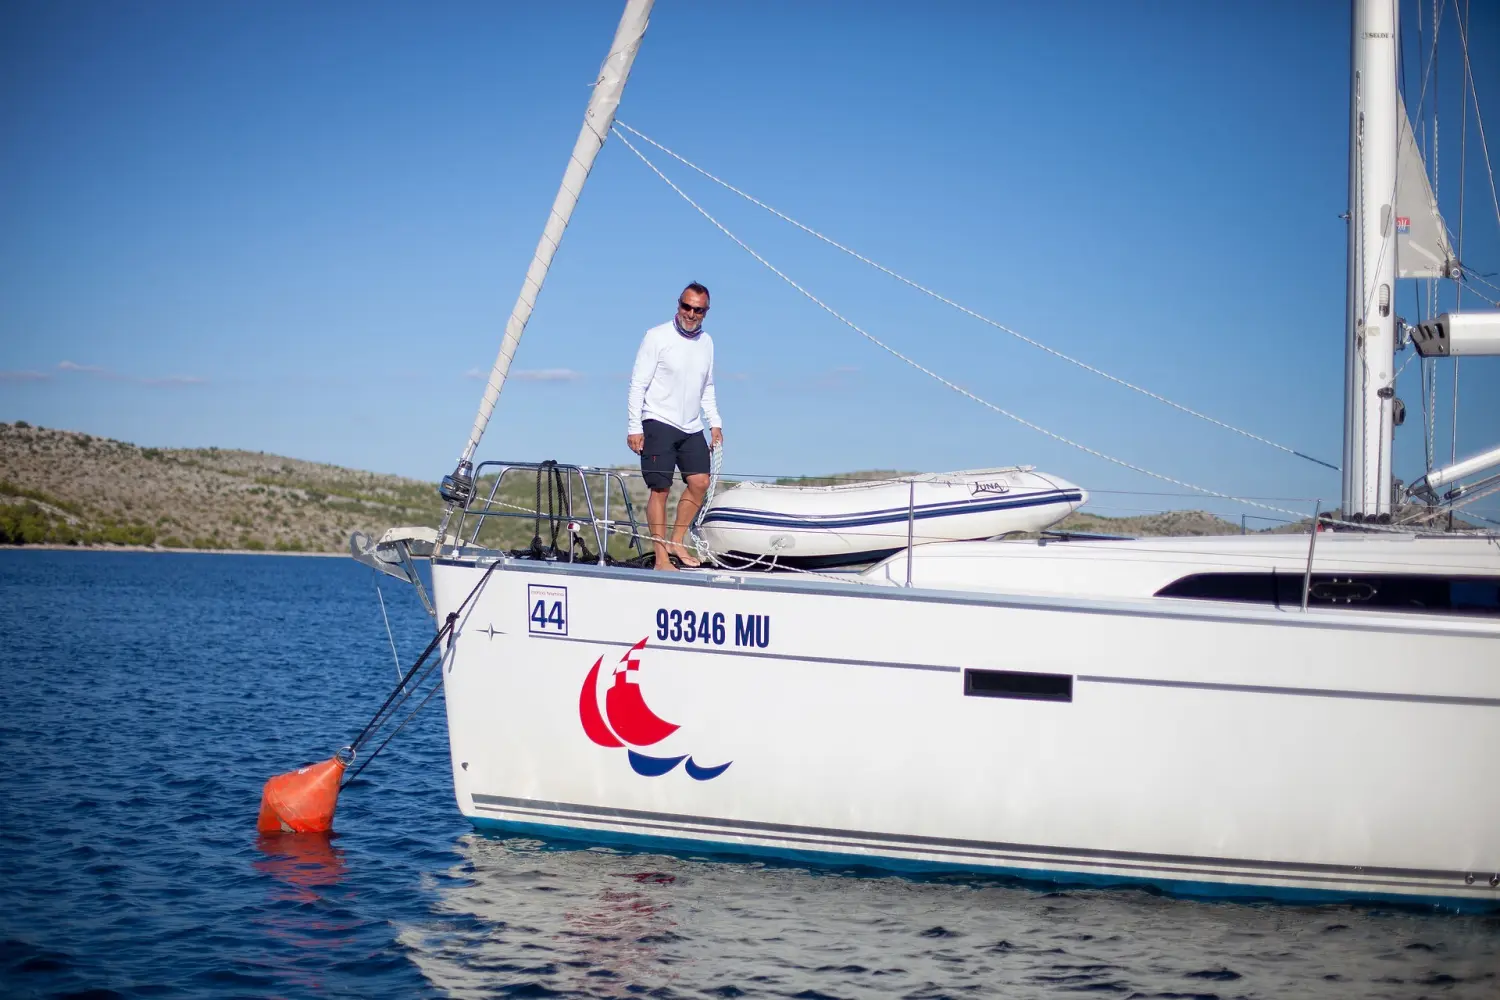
<point x="829" y="839"/>
<point x="1180" y="888"/>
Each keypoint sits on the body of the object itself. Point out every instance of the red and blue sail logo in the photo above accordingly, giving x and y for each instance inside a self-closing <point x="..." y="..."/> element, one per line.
<point x="627" y="721"/>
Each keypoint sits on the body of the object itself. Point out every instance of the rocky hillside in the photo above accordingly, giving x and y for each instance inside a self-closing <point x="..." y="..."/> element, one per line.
<point x="1171" y="522"/>
<point x="70" y="488"/>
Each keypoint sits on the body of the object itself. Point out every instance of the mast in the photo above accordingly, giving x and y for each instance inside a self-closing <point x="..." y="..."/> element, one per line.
<point x="597" y="121"/>
<point x="1370" y="332"/>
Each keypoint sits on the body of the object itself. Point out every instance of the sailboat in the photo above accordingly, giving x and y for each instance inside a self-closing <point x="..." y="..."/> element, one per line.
<point x="1308" y="716"/>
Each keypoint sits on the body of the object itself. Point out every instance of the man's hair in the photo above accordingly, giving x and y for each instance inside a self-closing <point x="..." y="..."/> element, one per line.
<point x="701" y="290"/>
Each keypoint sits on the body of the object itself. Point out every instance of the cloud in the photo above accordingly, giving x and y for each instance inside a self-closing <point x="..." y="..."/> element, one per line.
<point x="24" y="376"/>
<point x="829" y="379"/>
<point x="174" y="381"/>
<point x="835" y="378"/>
<point x="156" y="381"/>
<point x="531" y="375"/>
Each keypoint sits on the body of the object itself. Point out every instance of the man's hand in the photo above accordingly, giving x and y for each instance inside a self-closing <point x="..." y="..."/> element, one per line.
<point x="716" y="437"/>
<point x="637" y="442"/>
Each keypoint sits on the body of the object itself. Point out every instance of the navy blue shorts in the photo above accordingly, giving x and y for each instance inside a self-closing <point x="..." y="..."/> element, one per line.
<point x="669" y="448"/>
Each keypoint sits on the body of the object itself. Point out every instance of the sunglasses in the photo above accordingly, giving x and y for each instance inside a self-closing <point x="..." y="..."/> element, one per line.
<point x="695" y="310"/>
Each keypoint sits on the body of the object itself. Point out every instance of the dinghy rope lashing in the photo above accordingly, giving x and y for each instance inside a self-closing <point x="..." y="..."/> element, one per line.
<point x="715" y="464"/>
<point x="960" y="306"/>
<point x="304" y="800"/>
<point x="929" y="372"/>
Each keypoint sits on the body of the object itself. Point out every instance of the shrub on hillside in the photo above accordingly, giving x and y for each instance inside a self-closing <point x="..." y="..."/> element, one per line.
<point x="24" y="524"/>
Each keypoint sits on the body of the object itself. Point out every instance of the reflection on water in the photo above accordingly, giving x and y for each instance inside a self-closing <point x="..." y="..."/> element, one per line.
<point x="305" y="917"/>
<point x="621" y="929"/>
<point x="520" y="914"/>
<point x="589" y="922"/>
<point x="302" y="861"/>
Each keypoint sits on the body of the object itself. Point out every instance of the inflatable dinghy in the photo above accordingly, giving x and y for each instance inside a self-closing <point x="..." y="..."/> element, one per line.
<point x="856" y="522"/>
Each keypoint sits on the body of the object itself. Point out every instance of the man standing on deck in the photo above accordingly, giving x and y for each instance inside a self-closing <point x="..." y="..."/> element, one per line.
<point x="671" y="388"/>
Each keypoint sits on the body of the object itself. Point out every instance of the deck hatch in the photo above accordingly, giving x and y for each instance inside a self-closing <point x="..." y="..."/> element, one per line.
<point x="1018" y="684"/>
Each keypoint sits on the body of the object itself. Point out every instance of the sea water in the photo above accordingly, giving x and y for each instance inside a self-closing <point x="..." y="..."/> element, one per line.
<point x="146" y="698"/>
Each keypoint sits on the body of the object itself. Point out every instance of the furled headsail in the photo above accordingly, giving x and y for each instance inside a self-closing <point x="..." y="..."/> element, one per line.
<point x="1422" y="246"/>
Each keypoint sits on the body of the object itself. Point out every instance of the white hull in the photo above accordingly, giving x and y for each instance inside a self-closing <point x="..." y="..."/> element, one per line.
<point x="854" y="519"/>
<point x="1211" y="748"/>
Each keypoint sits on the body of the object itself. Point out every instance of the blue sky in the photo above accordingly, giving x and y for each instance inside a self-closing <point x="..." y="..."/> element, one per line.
<point x="300" y="228"/>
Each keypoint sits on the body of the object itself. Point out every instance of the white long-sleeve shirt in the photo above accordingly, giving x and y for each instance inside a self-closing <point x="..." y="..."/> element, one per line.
<point x="673" y="381"/>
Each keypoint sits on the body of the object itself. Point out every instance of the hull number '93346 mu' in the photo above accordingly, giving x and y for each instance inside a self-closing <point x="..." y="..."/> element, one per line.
<point x="713" y="628"/>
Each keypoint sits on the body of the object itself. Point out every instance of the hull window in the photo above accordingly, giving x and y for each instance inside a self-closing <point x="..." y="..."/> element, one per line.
<point x="1391" y="592"/>
<point x="1015" y="684"/>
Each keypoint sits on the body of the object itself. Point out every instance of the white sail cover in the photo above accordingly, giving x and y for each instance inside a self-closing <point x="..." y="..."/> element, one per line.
<point x="1422" y="247"/>
<point x="597" y="120"/>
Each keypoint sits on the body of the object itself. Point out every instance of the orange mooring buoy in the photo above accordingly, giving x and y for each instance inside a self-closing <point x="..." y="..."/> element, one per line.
<point x="302" y="801"/>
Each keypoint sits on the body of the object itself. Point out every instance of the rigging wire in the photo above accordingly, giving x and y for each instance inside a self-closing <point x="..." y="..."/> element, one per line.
<point x="1457" y="504"/>
<point x="1438" y="7"/>
<point x="1463" y="161"/>
<point x="1465" y="89"/>
<point x="1484" y="298"/>
<point x="1471" y="275"/>
<point x="375" y="578"/>
<point x="962" y="308"/>
<point x="1463" y="36"/>
<point x="927" y="371"/>
<point x="1429" y="406"/>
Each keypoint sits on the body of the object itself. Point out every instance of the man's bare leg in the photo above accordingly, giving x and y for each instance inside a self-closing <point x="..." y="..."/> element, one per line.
<point x="687" y="509"/>
<point x="656" y="521"/>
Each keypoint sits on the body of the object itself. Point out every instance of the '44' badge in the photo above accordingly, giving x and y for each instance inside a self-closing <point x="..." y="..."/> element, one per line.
<point x="548" y="610"/>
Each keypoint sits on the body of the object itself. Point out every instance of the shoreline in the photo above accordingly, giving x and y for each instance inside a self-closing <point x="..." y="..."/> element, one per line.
<point x="157" y="549"/>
